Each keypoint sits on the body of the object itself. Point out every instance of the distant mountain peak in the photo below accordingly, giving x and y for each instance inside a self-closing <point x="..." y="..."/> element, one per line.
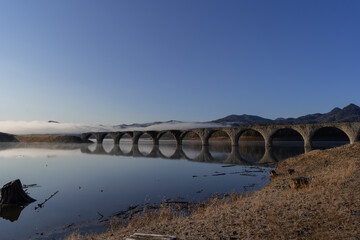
<point x="52" y="121"/>
<point x="242" y="119"/>
<point x="351" y="107"/>
<point x="335" y="110"/>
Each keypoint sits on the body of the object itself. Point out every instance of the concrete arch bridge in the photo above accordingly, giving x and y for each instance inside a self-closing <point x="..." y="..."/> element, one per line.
<point x="267" y="131"/>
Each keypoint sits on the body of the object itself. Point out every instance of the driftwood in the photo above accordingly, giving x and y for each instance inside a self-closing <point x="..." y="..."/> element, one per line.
<point x="13" y="193"/>
<point x="144" y="236"/>
<point x="41" y="205"/>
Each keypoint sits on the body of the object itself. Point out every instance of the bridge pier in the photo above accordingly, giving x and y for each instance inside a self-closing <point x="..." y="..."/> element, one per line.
<point x="268" y="157"/>
<point x="266" y="133"/>
<point x="178" y="141"/>
<point x="100" y="137"/>
<point x="204" y="135"/>
<point x="116" y="137"/>
<point x="155" y="151"/>
<point x="99" y="149"/>
<point x="115" y="150"/>
<point x="179" y="153"/>
<point x="177" y="136"/>
<point x="307" y="143"/>
<point x="234" y="135"/>
<point x="135" y="137"/>
<point x="154" y="136"/>
<point x="235" y="157"/>
<point x="135" y="151"/>
<point x="204" y="155"/>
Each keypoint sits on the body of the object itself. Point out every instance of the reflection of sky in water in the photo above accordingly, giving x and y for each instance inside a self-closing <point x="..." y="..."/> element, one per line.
<point x="125" y="146"/>
<point x="252" y="151"/>
<point x="191" y="149"/>
<point x="90" y="183"/>
<point x="145" y="146"/>
<point x="284" y="150"/>
<point x="168" y="149"/>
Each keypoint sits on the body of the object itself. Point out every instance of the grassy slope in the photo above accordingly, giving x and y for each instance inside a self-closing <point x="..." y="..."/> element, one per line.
<point x="49" y="139"/>
<point x="329" y="208"/>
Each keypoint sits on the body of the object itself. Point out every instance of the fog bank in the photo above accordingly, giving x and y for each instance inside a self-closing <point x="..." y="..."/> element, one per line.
<point x="42" y="127"/>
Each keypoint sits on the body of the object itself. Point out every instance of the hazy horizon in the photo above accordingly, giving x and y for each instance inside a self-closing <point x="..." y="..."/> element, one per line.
<point x="51" y="127"/>
<point x="42" y="127"/>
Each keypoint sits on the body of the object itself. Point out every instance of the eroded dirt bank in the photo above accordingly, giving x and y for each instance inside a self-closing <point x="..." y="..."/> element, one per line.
<point x="325" y="207"/>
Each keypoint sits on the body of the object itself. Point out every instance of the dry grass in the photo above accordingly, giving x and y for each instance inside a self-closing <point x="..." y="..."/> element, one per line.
<point x="327" y="208"/>
<point x="49" y="139"/>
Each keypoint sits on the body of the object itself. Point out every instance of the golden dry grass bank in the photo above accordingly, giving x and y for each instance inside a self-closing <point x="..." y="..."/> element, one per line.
<point x="49" y="139"/>
<point x="328" y="208"/>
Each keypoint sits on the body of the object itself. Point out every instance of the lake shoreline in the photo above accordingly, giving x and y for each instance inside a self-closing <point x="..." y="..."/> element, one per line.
<point x="48" y="138"/>
<point x="325" y="204"/>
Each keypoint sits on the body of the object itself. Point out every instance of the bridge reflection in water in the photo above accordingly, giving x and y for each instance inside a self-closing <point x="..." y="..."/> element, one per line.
<point x="254" y="153"/>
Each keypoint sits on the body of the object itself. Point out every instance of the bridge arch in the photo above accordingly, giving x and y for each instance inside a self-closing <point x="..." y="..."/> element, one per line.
<point x="251" y="145"/>
<point x="123" y="136"/>
<point x="169" y="135"/>
<point x="194" y="135"/>
<point x="287" y="134"/>
<point x="287" y="142"/>
<point x="219" y="134"/>
<point x="220" y="144"/>
<point x="351" y="132"/>
<point x="329" y="136"/>
<point x="167" y="143"/>
<point x="149" y="134"/>
<point x="108" y="142"/>
<point x="125" y="143"/>
<point x="144" y="142"/>
<point x="250" y="134"/>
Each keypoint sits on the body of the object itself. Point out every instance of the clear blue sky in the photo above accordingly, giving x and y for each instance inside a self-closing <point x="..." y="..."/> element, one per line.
<point x="130" y="61"/>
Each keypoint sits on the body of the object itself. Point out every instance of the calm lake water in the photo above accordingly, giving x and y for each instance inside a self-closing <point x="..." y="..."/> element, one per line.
<point x="92" y="181"/>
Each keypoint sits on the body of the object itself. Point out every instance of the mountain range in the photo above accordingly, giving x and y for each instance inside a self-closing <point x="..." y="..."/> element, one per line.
<point x="350" y="113"/>
<point x="347" y="114"/>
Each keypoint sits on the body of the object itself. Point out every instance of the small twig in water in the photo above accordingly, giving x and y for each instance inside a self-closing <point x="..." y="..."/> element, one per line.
<point x="40" y="205"/>
<point x="68" y="226"/>
<point x="101" y="216"/>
